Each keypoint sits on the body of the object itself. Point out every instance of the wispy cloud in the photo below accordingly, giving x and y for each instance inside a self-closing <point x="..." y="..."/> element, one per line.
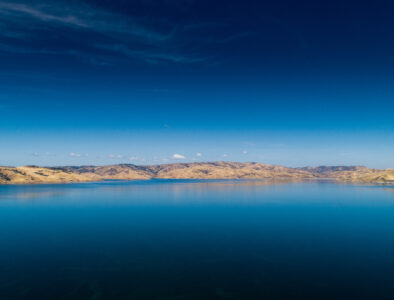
<point x="154" y="55"/>
<point x="40" y="13"/>
<point x="100" y="36"/>
<point x="115" y="156"/>
<point x="81" y="16"/>
<point x="139" y="159"/>
<point x="72" y="154"/>
<point x="140" y="38"/>
<point x="198" y="154"/>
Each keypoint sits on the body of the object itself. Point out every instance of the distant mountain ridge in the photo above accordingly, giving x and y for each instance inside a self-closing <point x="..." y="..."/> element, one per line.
<point x="198" y="170"/>
<point x="326" y="169"/>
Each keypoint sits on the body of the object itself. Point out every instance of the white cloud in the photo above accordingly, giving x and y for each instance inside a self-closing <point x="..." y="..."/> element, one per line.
<point x="72" y="154"/>
<point x="35" y="154"/>
<point x="224" y="155"/>
<point x="198" y="154"/>
<point x="244" y="152"/>
<point x="133" y="158"/>
<point x="178" y="156"/>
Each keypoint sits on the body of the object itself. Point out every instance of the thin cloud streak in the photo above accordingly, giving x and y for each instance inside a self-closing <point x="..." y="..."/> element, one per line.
<point x="20" y="9"/>
<point x="72" y="154"/>
<point x="133" y="37"/>
<point x="151" y="56"/>
<point x="24" y="25"/>
<point x="82" y="16"/>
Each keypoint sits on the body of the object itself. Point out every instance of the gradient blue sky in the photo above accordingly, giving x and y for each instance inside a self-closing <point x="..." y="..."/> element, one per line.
<point x="285" y="82"/>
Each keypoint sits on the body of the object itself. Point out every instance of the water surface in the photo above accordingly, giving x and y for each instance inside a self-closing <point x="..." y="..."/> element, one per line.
<point x="195" y="239"/>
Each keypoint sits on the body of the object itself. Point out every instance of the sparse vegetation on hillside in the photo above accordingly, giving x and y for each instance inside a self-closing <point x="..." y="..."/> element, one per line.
<point x="214" y="170"/>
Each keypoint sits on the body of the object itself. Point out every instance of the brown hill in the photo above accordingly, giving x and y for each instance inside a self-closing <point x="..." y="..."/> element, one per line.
<point x="122" y="171"/>
<point x="353" y="173"/>
<point x="213" y="170"/>
<point x="33" y="174"/>
<point x="228" y="170"/>
<point x="205" y="170"/>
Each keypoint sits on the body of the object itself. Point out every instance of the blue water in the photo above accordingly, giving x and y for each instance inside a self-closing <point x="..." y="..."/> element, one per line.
<point x="193" y="239"/>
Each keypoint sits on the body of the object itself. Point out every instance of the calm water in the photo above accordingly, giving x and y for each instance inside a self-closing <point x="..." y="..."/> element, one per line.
<point x="179" y="239"/>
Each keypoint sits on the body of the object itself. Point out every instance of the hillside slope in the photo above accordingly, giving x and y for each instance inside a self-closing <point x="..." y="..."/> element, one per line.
<point x="353" y="173"/>
<point x="205" y="170"/>
<point x="33" y="174"/>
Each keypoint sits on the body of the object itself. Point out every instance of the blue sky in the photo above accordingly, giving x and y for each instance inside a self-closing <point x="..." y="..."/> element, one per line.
<point x="102" y="82"/>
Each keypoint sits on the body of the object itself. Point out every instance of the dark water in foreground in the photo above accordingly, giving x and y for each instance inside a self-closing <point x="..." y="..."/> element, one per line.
<point x="174" y="239"/>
